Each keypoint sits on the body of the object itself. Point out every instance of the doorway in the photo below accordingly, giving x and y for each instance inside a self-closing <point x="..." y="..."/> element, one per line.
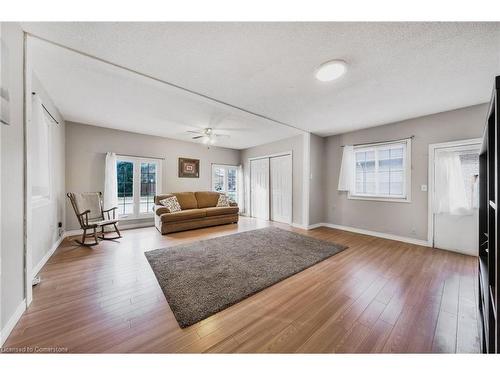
<point x="271" y="188"/>
<point x="453" y="196"/>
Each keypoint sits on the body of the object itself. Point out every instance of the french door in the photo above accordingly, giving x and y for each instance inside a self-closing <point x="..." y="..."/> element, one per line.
<point x="138" y="181"/>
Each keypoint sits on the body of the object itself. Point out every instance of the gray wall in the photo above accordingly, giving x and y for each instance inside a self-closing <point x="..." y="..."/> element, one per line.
<point x="12" y="181"/>
<point x="44" y="231"/>
<point x="317" y="180"/>
<point x="294" y="144"/>
<point x="86" y="147"/>
<point x="403" y="219"/>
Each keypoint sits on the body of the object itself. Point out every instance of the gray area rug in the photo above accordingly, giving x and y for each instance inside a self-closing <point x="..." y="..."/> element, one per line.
<point x="204" y="277"/>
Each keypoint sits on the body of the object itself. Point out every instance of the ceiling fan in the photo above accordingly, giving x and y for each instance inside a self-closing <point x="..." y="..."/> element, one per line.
<point x="207" y="135"/>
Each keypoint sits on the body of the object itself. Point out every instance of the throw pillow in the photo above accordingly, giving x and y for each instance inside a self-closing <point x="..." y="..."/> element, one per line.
<point x="171" y="203"/>
<point x="223" y="201"/>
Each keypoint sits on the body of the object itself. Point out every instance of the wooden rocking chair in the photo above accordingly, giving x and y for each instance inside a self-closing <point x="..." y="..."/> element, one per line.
<point x="89" y="210"/>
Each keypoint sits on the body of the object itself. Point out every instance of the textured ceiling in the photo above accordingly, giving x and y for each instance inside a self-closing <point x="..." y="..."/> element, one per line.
<point x="396" y="70"/>
<point x="89" y="91"/>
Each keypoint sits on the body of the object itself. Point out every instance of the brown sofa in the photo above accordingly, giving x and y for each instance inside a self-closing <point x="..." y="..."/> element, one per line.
<point x="198" y="210"/>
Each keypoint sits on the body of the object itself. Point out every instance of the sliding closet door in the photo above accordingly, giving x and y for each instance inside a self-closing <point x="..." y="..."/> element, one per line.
<point x="281" y="188"/>
<point x="259" y="188"/>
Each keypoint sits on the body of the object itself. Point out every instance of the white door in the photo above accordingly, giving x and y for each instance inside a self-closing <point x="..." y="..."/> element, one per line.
<point x="259" y="188"/>
<point x="456" y="225"/>
<point x="281" y="188"/>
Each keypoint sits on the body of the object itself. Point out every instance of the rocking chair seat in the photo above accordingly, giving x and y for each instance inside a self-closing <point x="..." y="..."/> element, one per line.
<point x="103" y="222"/>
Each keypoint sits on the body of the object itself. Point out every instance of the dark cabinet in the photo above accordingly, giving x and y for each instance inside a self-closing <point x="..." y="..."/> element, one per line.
<point x="489" y="174"/>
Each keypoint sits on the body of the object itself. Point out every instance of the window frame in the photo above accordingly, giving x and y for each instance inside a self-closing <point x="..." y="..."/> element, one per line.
<point x="406" y="197"/>
<point x="226" y="167"/>
<point x="136" y="185"/>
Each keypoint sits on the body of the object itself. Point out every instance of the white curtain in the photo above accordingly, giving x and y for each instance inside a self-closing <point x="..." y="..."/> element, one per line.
<point x="110" y="182"/>
<point x="346" y="177"/>
<point x="241" y="189"/>
<point x="450" y="195"/>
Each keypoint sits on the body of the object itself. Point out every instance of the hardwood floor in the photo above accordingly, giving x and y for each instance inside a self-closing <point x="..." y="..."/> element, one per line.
<point x="377" y="296"/>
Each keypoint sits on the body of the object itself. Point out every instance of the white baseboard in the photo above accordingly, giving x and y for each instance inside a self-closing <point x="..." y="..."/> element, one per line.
<point x="307" y="227"/>
<point x="388" y="236"/>
<point x="46" y="257"/>
<point x="297" y="225"/>
<point x="78" y="232"/>
<point x="5" y="332"/>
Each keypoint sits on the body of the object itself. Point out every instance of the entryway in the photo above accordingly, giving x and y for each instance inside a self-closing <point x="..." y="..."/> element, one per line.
<point x="453" y="195"/>
<point x="271" y="188"/>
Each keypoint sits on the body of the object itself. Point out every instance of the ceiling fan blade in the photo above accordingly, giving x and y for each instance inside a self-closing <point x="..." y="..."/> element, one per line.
<point x="197" y="137"/>
<point x="221" y="135"/>
<point x="195" y="131"/>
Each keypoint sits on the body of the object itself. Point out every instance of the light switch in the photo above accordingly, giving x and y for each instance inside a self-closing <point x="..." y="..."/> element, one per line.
<point x="423" y="187"/>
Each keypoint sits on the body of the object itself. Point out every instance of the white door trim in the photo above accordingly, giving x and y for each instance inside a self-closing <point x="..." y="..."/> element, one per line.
<point x="284" y="153"/>
<point x="430" y="191"/>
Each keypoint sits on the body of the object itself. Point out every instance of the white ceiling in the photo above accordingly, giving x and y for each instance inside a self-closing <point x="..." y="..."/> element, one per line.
<point x="396" y="70"/>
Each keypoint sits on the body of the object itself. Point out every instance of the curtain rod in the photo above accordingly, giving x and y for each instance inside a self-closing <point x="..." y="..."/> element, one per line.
<point x="46" y="110"/>
<point x="381" y="142"/>
<point x="140" y="157"/>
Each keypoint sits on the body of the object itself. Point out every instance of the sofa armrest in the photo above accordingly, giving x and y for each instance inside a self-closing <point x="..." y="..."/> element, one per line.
<point x="159" y="210"/>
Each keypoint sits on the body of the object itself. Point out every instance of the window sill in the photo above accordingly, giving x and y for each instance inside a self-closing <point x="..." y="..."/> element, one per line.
<point x="141" y="217"/>
<point x="380" y="199"/>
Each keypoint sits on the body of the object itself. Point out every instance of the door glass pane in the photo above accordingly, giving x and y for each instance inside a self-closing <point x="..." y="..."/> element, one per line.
<point x="218" y="179"/>
<point x="470" y="171"/>
<point x="231" y="180"/>
<point x="148" y="187"/>
<point x="125" y="182"/>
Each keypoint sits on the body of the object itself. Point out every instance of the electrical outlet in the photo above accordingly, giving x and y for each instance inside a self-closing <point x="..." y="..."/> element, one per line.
<point x="423" y="187"/>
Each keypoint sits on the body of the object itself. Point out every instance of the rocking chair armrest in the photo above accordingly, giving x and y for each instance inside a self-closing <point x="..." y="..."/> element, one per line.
<point x="108" y="211"/>
<point x="86" y="213"/>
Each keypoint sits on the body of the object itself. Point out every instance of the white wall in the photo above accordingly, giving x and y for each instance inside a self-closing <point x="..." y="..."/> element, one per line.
<point x="317" y="180"/>
<point x="87" y="145"/>
<point x="12" y="184"/>
<point x="294" y="144"/>
<point x="402" y="219"/>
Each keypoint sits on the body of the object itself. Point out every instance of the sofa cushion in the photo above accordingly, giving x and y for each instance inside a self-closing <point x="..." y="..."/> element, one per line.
<point x="160" y="197"/>
<point x="216" y="211"/>
<point x="171" y="203"/>
<point x="195" y="213"/>
<point x="223" y="201"/>
<point x="187" y="200"/>
<point x="207" y="198"/>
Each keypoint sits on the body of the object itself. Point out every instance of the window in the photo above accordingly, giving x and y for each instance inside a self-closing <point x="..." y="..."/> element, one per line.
<point x="137" y="181"/>
<point x="382" y="171"/>
<point x="225" y="180"/>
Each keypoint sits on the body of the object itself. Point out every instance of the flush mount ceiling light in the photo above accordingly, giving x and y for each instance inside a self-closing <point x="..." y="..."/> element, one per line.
<point x="331" y="70"/>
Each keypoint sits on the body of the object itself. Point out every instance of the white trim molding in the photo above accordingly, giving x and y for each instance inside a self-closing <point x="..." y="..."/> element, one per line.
<point x="388" y="236"/>
<point x="6" y="331"/>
